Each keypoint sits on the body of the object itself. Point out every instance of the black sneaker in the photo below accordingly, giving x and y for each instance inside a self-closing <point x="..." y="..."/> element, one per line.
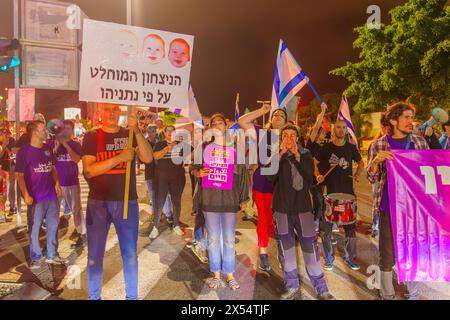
<point x="57" y="260"/>
<point x="74" y="236"/>
<point x="325" y="296"/>
<point x="264" y="265"/>
<point x="328" y="266"/>
<point x="333" y="241"/>
<point x="247" y="217"/>
<point x="353" y="265"/>
<point x="289" y="294"/>
<point x="34" y="265"/>
<point x="191" y="244"/>
<point x="81" y="241"/>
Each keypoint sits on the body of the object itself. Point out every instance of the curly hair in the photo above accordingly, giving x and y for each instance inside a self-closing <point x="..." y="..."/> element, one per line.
<point x="394" y="112"/>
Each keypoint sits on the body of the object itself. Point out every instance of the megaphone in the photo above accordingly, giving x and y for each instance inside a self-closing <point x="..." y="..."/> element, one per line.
<point x="55" y="126"/>
<point x="438" y="116"/>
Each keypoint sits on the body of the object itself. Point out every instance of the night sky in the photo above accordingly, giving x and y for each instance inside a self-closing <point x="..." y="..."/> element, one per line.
<point x="236" y="41"/>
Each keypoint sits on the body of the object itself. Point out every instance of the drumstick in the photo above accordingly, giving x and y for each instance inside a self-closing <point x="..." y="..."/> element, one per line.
<point x="328" y="172"/>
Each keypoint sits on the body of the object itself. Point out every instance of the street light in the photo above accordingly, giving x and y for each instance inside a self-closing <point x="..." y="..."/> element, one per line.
<point x="7" y="62"/>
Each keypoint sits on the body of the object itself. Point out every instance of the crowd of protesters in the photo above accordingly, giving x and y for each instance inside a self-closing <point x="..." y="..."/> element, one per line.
<point x="290" y="201"/>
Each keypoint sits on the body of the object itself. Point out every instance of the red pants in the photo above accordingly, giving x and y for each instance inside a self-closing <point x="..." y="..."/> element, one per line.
<point x="265" y="227"/>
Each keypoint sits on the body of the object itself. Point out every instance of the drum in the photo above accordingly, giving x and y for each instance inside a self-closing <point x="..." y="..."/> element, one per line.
<point x="340" y="208"/>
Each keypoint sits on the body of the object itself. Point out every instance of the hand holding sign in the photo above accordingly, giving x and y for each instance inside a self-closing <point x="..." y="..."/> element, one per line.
<point x="133" y="122"/>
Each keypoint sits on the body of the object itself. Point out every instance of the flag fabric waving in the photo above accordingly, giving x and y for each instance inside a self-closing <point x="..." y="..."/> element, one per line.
<point x="236" y="109"/>
<point x="193" y="111"/>
<point x="289" y="78"/>
<point x="344" y="114"/>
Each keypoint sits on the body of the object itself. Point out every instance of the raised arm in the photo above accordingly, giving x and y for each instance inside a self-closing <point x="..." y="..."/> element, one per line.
<point x="144" y="150"/>
<point x="246" y="120"/>
<point x="318" y="123"/>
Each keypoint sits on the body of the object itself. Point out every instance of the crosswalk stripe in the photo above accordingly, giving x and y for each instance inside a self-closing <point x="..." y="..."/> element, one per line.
<point x="80" y="261"/>
<point x="151" y="269"/>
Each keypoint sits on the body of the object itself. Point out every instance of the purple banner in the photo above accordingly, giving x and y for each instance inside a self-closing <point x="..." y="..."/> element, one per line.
<point x="220" y="161"/>
<point x="419" y="198"/>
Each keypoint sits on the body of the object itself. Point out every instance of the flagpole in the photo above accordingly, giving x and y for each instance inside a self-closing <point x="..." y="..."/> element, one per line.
<point x="314" y="90"/>
<point x="264" y="115"/>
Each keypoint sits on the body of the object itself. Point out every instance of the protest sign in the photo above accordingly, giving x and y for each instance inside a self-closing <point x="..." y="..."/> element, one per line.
<point x="419" y="197"/>
<point x="130" y="65"/>
<point x="220" y="161"/>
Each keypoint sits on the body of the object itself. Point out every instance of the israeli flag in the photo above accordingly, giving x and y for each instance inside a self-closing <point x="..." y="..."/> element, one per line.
<point x="193" y="112"/>
<point x="344" y="114"/>
<point x="289" y="78"/>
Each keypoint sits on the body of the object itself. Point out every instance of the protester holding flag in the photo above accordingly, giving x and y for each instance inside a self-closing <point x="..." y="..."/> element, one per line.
<point x="317" y="133"/>
<point x="293" y="213"/>
<point x="445" y="138"/>
<point x="400" y="118"/>
<point x="221" y="205"/>
<point x="339" y="154"/>
<point x="105" y="156"/>
<point x="262" y="188"/>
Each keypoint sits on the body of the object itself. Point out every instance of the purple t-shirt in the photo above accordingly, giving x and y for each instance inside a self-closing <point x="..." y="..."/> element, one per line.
<point x="66" y="167"/>
<point x="260" y="182"/>
<point x="36" y="164"/>
<point x="395" y="144"/>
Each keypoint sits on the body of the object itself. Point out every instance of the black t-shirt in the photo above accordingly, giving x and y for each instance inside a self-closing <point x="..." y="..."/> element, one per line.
<point x="313" y="148"/>
<point x="11" y="143"/>
<point x="340" y="179"/>
<point x="5" y="160"/>
<point x="150" y="167"/>
<point x="109" y="186"/>
<point x="172" y="162"/>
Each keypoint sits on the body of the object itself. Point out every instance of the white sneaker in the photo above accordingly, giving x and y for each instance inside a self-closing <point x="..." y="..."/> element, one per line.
<point x="154" y="233"/>
<point x="178" y="231"/>
<point x="56" y="261"/>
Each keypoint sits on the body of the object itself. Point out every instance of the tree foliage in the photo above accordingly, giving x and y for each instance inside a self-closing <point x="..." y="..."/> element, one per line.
<point x="407" y="59"/>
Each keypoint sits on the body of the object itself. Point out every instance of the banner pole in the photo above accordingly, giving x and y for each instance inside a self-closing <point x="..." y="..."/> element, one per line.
<point x="128" y="172"/>
<point x="131" y="109"/>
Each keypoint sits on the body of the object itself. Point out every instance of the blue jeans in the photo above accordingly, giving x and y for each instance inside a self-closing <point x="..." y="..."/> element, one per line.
<point x="349" y="244"/>
<point x="167" y="204"/>
<point x="36" y="213"/>
<point x="221" y="226"/>
<point x="99" y="216"/>
<point x="375" y="211"/>
<point x="199" y="230"/>
<point x="66" y="207"/>
<point x="12" y="187"/>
